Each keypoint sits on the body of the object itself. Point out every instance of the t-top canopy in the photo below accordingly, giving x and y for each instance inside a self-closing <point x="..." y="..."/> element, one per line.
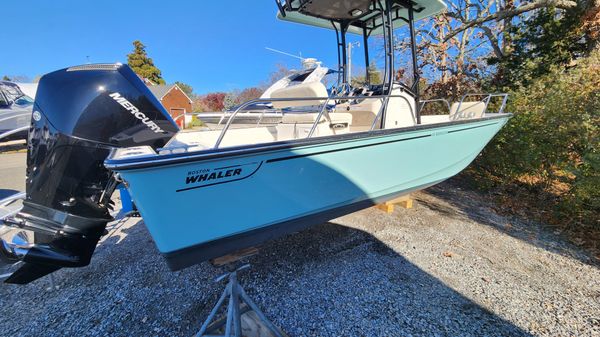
<point x="358" y="14"/>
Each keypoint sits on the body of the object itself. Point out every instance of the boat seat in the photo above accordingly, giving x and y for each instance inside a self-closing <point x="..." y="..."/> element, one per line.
<point x="206" y="139"/>
<point x="363" y="113"/>
<point x="468" y="110"/>
<point x="302" y="90"/>
<point x="340" y="119"/>
<point x="399" y="113"/>
<point x="301" y="118"/>
<point x="297" y="126"/>
<point x="309" y="118"/>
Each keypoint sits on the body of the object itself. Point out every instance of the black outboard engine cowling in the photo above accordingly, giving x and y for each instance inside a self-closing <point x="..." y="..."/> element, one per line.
<point x="80" y="115"/>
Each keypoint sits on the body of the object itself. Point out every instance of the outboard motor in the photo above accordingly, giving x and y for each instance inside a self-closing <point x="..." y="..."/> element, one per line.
<point x="80" y="115"/>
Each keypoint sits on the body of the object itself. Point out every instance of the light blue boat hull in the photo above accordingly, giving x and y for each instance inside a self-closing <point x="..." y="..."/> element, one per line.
<point x="292" y="187"/>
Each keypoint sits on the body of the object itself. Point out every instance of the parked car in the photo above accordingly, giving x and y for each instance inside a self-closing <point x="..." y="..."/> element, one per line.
<point x="15" y="112"/>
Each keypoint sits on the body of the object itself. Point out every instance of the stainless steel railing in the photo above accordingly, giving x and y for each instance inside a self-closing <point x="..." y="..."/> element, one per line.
<point x="224" y="116"/>
<point x="487" y="97"/>
<point x="6" y="202"/>
<point x="425" y="101"/>
<point x="322" y="111"/>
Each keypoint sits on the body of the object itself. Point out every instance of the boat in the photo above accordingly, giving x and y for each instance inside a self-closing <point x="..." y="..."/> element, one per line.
<point x="263" y="112"/>
<point x="206" y="193"/>
<point x="255" y="114"/>
<point x="15" y="112"/>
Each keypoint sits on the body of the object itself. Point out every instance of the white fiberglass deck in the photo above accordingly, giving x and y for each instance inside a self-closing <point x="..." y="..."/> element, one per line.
<point x="356" y="115"/>
<point x="324" y="117"/>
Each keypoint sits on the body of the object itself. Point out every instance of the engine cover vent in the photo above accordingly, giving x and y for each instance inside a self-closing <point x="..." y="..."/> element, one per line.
<point x="99" y="66"/>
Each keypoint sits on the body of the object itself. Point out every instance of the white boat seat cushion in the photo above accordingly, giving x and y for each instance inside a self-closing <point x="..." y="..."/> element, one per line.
<point x="341" y="118"/>
<point x="301" y="118"/>
<point x="468" y="110"/>
<point x="297" y="126"/>
<point x="364" y="113"/>
<point x="310" y="118"/>
<point x="303" y="90"/>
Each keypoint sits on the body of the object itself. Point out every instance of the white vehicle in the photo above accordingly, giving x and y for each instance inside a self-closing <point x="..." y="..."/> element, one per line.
<point x="15" y="112"/>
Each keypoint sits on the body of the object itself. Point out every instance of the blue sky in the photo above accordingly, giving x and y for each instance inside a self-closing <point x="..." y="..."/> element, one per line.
<point x="211" y="45"/>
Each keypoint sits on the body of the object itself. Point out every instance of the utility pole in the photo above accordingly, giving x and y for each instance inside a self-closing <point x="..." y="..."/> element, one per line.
<point x="349" y="73"/>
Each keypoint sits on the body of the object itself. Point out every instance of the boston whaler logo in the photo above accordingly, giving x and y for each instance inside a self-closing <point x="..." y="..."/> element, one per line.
<point x="213" y="176"/>
<point x="136" y="112"/>
<point x="190" y="179"/>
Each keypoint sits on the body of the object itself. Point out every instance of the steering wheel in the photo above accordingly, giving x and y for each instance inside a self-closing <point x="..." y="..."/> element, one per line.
<point x="333" y="91"/>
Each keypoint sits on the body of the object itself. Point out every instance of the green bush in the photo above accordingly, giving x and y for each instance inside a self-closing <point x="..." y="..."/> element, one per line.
<point x="195" y="122"/>
<point x="553" y="140"/>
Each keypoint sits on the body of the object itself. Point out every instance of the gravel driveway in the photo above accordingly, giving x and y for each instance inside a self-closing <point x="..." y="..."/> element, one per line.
<point x="448" y="267"/>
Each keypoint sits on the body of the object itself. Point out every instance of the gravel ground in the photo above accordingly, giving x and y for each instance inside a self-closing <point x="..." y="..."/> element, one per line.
<point x="448" y="267"/>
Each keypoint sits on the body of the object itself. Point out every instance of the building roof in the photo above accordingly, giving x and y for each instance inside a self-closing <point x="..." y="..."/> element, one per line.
<point x="161" y="90"/>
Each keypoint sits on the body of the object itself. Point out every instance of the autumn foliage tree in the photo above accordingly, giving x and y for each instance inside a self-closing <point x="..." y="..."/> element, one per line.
<point x="210" y="102"/>
<point x="218" y="101"/>
<point x="248" y="94"/>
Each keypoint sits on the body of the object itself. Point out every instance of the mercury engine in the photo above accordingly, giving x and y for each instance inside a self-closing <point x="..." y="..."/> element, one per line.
<point x="80" y="115"/>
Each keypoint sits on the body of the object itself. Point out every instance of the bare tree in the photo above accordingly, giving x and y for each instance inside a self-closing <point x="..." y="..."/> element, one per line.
<point x="454" y="47"/>
<point x="504" y="12"/>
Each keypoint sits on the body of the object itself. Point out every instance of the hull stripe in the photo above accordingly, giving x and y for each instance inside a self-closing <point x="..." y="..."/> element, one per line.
<point x="472" y="127"/>
<point x="344" y="149"/>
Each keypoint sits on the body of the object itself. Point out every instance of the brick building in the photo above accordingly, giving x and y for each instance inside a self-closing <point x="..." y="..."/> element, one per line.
<point x="173" y="99"/>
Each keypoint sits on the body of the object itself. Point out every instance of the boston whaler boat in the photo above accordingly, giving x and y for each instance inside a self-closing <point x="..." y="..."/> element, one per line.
<point x="95" y="126"/>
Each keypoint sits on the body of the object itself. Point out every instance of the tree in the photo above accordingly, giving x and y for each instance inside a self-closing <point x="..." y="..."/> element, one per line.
<point x="230" y="100"/>
<point x="198" y="105"/>
<point x="20" y="78"/>
<point x="17" y="78"/>
<point x="455" y="49"/>
<point x="489" y="11"/>
<point x="249" y="94"/>
<point x="185" y="88"/>
<point x="591" y="22"/>
<point x="142" y="65"/>
<point x="544" y="40"/>
<point x="214" y="101"/>
<point x="278" y="74"/>
<point x="374" y="76"/>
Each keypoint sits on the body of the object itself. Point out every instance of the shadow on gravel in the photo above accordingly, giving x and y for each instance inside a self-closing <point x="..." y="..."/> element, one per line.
<point x="330" y="280"/>
<point x="470" y="204"/>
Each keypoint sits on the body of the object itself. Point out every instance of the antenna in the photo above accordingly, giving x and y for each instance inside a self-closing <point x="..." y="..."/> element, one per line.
<point x="284" y="53"/>
<point x="307" y="62"/>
